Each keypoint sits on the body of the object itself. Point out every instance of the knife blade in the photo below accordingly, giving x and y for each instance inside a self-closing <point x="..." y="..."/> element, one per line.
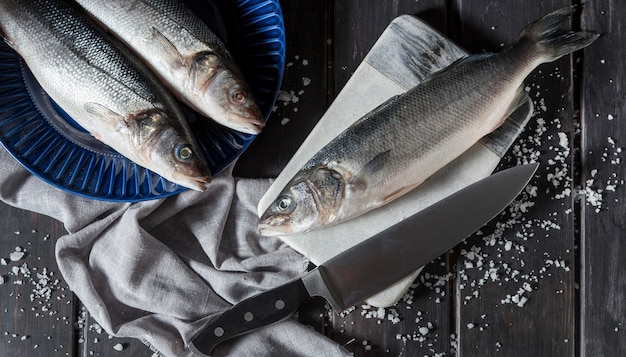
<point x="374" y="264"/>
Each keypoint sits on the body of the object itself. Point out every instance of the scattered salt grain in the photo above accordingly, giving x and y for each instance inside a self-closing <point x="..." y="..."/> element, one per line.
<point x="118" y="347"/>
<point x="284" y="121"/>
<point x="17" y="255"/>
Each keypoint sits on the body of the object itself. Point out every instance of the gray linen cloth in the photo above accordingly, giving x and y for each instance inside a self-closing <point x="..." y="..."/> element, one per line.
<point x="159" y="270"/>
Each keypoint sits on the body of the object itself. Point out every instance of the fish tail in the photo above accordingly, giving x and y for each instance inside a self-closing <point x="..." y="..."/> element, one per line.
<point x="553" y="39"/>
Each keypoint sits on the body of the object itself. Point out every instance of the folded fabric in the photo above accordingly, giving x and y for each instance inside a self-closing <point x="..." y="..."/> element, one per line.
<point x="159" y="270"/>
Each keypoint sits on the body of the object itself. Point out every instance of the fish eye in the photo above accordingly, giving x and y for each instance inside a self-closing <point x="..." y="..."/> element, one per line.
<point x="285" y="204"/>
<point x="238" y="95"/>
<point x="184" y="153"/>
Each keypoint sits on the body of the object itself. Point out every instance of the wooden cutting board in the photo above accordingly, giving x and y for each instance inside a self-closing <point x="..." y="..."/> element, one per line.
<point x="407" y="52"/>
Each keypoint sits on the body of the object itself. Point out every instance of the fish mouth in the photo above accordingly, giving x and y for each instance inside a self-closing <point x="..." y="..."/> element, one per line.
<point x="250" y="124"/>
<point x="267" y="230"/>
<point x="274" y="226"/>
<point x="198" y="183"/>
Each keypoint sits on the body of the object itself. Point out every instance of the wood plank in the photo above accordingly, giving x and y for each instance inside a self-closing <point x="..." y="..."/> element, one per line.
<point x="603" y="248"/>
<point x="420" y="323"/>
<point x="304" y="98"/>
<point x="94" y="341"/>
<point x="359" y="23"/>
<point x="36" y="306"/>
<point x="515" y="292"/>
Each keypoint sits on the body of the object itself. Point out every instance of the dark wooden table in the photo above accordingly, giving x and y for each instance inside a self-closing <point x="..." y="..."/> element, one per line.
<point x="543" y="279"/>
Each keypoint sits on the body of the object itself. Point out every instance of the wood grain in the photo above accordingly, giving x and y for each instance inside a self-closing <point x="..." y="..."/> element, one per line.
<point x="33" y="321"/>
<point x="420" y="325"/>
<point x="603" y="244"/>
<point x="546" y="278"/>
<point x="521" y="296"/>
<point x="301" y="105"/>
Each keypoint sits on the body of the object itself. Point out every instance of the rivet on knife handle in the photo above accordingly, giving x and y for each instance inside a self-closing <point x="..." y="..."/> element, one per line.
<point x="255" y="312"/>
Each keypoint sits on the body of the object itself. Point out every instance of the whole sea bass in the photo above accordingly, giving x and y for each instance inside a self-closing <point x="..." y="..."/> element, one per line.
<point x="103" y="88"/>
<point x="185" y="54"/>
<point x="398" y="145"/>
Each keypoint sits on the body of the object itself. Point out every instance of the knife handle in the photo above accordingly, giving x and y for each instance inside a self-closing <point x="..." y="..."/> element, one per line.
<point x="260" y="310"/>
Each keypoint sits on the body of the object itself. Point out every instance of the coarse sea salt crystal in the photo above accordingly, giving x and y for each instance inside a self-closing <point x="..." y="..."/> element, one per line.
<point x="17" y="255"/>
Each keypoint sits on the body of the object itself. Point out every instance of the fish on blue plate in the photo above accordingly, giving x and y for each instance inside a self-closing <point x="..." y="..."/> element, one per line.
<point x="186" y="55"/>
<point x="104" y="87"/>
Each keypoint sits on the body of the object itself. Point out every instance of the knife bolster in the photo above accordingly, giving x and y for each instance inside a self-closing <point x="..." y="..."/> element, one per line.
<point x="316" y="285"/>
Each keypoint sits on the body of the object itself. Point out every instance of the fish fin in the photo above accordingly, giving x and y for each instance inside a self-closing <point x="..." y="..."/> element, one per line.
<point x="99" y="110"/>
<point x="551" y="36"/>
<point x="472" y="58"/>
<point x="397" y="193"/>
<point x="460" y="61"/>
<point x="167" y="46"/>
<point x="7" y="41"/>
<point x="520" y="99"/>
<point x="376" y="164"/>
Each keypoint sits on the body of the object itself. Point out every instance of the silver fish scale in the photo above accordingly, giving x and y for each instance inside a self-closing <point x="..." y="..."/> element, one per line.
<point x="180" y="14"/>
<point x="427" y="118"/>
<point x="73" y="34"/>
<point x="87" y="42"/>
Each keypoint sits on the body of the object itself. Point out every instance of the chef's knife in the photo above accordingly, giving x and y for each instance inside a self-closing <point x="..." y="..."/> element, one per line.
<point x="377" y="262"/>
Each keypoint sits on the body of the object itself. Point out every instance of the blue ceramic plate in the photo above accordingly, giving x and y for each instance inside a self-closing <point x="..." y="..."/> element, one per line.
<point x="49" y="144"/>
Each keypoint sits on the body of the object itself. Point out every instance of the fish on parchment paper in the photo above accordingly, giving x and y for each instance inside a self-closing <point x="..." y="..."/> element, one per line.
<point x="103" y="87"/>
<point x="396" y="146"/>
<point x="188" y="57"/>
